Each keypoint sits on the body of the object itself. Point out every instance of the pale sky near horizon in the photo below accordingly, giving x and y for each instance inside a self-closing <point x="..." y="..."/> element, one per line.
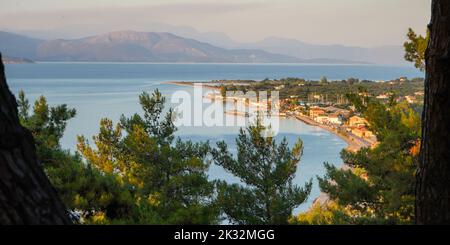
<point x="348" y="22"/>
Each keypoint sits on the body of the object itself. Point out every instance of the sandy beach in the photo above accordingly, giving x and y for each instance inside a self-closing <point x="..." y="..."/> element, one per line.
<point x="354" y="143"/>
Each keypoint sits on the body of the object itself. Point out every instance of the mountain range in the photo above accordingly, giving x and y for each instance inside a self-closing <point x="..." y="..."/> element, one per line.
<point x="385" y="55"/>
<point x="132" y="46"/>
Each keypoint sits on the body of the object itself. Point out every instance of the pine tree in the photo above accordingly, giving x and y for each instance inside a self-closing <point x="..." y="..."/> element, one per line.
<point x="415" y="48"/>
<point x="267" y="170"/>
<point x="168" y="176"/>
<point x="47" y="124"/>
<point x="380" y="187"/>
<point x="92" y="196"/>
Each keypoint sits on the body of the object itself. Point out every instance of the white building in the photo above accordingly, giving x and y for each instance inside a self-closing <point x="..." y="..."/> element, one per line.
<point x="335" y="119"/>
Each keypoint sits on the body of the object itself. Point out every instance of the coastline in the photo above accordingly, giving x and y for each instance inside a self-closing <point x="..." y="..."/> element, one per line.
<point x="353" y="144"/>
<point x="191" y="84"/>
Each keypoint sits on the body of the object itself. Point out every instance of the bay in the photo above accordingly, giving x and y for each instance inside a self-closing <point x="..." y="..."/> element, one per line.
<point x="99" y="90"/>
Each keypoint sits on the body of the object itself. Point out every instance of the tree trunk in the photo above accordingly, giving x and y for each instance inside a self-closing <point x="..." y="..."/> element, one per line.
<point x="433" y="176"/>
<point x="26" y="195"/>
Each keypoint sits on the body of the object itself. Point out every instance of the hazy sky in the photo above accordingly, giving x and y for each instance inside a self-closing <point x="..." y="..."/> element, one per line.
<point x="348" y="22"/>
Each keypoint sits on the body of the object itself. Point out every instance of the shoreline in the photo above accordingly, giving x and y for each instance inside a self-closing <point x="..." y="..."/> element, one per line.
<point x="353" y="144"/>
<point x="192" y="84"/>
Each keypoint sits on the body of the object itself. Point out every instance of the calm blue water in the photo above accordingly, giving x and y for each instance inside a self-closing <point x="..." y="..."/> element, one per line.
<point x="99" y="90"/>
<point x="186" y="72"/>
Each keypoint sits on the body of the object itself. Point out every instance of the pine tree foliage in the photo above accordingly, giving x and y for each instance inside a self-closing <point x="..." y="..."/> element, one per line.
<point x="380" y="187"/>
<point x="168" y="176"/>
<point x="267" y="170"/>
<point x="415" y="48"/>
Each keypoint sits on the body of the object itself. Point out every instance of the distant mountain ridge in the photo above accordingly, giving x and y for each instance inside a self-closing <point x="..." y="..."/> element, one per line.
<point x="385" y="54"/>
<point x="392" y="55"/>
<point x="132" y="46"/>
<point x="148" y="47"/>
<point x="18" y="46"/>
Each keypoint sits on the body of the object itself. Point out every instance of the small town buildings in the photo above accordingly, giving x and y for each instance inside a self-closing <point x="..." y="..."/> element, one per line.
<point x="331" y="109"/>
<point x="343" y="113"/>
<point x="362" y="132"/>
<point x="356" y="121"/>
<point x="382" y="96"/>
<point x="335" y="119"/>
<point x="314" y="112"/>
<point x="410" y="99"/>
<point x="279" y="87"/>
<point x="323" y="119"/>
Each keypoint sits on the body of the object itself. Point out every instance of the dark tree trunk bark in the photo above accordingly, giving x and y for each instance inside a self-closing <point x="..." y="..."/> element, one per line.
<point x="433" y="176"/>
<point x="26" y="195"/>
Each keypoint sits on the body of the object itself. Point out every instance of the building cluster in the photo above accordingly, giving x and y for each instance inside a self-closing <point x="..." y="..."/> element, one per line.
<point x="411" y="99"/>
<point x="329" y="115"/>
<point x="358" y="126"/>
<point x="336" y="118"/>
<point x="341" y="119"/>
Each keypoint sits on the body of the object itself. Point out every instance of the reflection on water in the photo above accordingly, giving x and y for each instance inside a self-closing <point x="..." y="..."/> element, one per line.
<point x="111" y="90"/>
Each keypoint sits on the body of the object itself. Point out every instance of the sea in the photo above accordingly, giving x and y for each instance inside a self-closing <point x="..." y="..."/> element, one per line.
<point x="109" y="90"/>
